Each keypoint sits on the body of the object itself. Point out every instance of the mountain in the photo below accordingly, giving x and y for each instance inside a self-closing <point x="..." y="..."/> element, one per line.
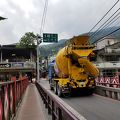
<point x="48" y="50"/>
<point x="95" y="36"/>
<point x="51" y="49"/>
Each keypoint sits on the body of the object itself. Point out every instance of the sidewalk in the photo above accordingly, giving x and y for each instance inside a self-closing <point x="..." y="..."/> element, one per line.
<point x="32" y="107"/>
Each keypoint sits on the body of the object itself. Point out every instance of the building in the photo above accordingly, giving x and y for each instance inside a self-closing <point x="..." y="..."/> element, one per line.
<point x="108" y="61"/>
<point x="14" y="60"/>
<point x="105" y="42"/>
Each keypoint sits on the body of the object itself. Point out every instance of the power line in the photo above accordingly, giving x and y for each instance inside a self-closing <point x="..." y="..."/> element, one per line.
<point x="103" y="16"/>
<point x="112" y="20"/>
<point x="44" y="17"/>
<point x="105" y="23"/>
<point x="41" y="30"/>
<point x="109" y="34"/>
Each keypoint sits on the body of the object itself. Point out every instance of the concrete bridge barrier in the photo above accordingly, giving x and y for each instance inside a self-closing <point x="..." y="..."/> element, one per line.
<point x="108" y="92"/>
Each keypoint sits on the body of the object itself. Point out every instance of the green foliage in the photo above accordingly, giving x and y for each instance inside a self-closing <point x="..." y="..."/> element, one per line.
<point x="28" y="40"/>
<point x="51" y="49"/>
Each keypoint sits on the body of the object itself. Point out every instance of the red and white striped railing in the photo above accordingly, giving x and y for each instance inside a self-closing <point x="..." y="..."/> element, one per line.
<point x="10" y="96"/>
<point x="108" y="81"/>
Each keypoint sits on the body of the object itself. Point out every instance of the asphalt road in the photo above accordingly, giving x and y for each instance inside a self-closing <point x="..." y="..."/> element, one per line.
<point x="93" y="107"/>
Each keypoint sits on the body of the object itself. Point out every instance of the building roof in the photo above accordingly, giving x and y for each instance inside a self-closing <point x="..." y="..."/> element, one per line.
<point x="11" y="50"/>
<point x="113" y="46"/>
<point x="108" y="37"/>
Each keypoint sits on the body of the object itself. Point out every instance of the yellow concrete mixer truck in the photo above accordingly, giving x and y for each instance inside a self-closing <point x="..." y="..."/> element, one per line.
<point x="72" y="70"/>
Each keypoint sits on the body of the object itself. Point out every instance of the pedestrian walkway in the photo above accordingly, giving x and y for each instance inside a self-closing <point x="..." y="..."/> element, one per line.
<point x="32" y="107"/>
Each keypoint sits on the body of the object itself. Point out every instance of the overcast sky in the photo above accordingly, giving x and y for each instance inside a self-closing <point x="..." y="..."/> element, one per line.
<point x="65" y="17"/>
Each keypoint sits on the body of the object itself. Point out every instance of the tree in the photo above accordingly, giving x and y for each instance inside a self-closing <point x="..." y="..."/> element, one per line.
<point x="28" y="40"/>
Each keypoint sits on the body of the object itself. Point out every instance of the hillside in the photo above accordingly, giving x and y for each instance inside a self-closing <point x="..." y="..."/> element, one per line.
<point x="51" y="49"/>
<point x="104" y="32"/>
<point x="48" y="50"/>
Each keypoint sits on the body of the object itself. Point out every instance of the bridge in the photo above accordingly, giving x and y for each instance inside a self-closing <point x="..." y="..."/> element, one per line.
<point x="22" y="100"/>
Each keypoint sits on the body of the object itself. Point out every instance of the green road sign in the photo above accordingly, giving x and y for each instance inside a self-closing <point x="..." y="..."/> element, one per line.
<point x="48" y="37"/>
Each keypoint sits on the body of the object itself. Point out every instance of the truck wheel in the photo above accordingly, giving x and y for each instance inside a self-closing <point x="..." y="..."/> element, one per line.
<point x="59" y="90"/>
<point x="55" y="88"/>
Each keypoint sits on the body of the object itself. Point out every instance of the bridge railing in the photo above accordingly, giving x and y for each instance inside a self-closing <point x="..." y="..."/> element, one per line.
<point x="108" y="81"/>
<point x="57" y="107"/>
<point x="110" y="92"/>
<point x="11" y="93"/>
<point x="108" y="86"/>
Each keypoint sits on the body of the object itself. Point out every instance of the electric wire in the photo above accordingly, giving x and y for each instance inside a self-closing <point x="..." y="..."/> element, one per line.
<point x="104" y="16"/>
<point x="116" y="23"/>
<point x="43" y="17"/>
<point x="112" y="21"/>
<point x="108" y="34"/>
<point x="111" y="29"/>
<point x="98" y="30"/>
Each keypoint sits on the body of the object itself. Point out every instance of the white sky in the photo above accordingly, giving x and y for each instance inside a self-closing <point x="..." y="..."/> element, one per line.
<point x="65" y="17"/>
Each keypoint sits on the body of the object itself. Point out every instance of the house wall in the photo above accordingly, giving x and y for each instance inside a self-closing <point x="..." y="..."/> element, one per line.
<point x="105" y="42"/>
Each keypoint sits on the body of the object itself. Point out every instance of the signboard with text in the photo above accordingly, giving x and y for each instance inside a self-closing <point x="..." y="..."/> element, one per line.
<point x="48" y="37"/>
<point x="18" y="65"/>
<point x="5" y="65"/>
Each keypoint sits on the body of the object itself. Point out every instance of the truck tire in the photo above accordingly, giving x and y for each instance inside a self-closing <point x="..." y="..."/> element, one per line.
<point x="59" y="90"/>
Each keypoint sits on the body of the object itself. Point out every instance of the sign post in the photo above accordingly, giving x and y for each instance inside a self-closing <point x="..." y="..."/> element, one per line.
<point x="39" y="40"/>
<point x="49" y="38"/>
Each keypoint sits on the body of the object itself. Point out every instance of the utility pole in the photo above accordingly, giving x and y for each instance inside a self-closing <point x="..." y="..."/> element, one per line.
<point x="39" y="40"/>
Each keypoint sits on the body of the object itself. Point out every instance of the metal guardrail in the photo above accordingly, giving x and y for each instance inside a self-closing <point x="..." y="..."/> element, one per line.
<point x="56" y="107"/>
<point x="112" y="85"/>
<point x="108" y="81"/>
<point x="11" y="93"/>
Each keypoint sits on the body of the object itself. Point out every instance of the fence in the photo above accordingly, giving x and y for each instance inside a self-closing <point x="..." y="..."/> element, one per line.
<point x="108" y="81"/>
<point x="108" y="92"/>
<point x="10" y="96"/>
<point x="56" y="107"/>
